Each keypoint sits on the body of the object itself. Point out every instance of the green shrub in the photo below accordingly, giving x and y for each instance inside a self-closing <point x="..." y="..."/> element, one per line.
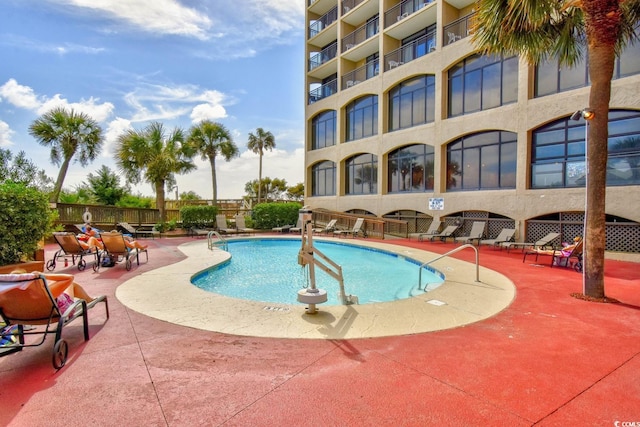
<point x="25" y="219"/>
<point x="198" y="216"/>
<point x="268" y="215"/>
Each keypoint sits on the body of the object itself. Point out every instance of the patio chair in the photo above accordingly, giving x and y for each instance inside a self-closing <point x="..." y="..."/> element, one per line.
<point x="477" y="230"/>
<point x="70" y="247"/>
<point x="25" y="299"/>
<point x="433" y="229"/>
<point x="540" y="244"/>
<point x="297" y="228"/>
<point x="505" y="235"/>
<point x="241" y="225"/>
<point x="357" y="229"/>
<point x="221" y="224"/>
<point x="197" y="232"/>
<point x="116" y="248"/>
<point x="283" y="228"/>
<point x="329" y="228"/>
<point x="444" y="234"/>
<point x="560" y="257"/>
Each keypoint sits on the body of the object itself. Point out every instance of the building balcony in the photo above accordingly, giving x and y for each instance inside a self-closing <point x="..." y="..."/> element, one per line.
<point x="403" y="10"/>
<point x="458" y="29"/>
<point x="317" y="26"/>
<point x="361" y="74"/>
<point x="414" y="50"/>
<point x="361" y="34"/>
<point x="323" y="57"/>
<point x="323" y="91"/>
<point x="400" y="24"/>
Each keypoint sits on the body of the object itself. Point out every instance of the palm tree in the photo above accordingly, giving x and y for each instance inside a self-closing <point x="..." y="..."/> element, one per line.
<point x="68" y="133"/>
<point x="156" y="155"/>
<point x="537" y="30"/>
<point x="258" y="143"/>
<point x="210" y="139"/>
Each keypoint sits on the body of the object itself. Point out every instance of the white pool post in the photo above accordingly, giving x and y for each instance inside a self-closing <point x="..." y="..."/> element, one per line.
<point x="310" y="295"/>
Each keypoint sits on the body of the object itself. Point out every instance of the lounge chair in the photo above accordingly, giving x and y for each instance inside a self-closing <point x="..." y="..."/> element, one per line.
<point x="476" y="233"/>
<point x="221" y="223"/>
<point x="297" y="228"/>
<point x="329" y="228"/>
<point x="433" y="229"/>
<point x="444" y="234"/>
<point x="25" y="299"/>
<point x="197" y="232"/>
<point x="115" y="248"/>
<point x="540" y="244"/>
<point x="505" y="235"/>
<point x="241" y="226"/>
<point x="560" y="257"/>
<point x="357" y="228"/>
<point x="70" y="247"/>
<point x="283" y="228"/>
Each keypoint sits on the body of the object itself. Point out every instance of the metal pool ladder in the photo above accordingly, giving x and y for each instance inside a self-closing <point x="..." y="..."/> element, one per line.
<point x="451" y="252"/>
<point x="220" y="242"/>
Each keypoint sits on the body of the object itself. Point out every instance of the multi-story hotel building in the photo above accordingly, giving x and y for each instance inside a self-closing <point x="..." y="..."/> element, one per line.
<point x="406" y="121"/>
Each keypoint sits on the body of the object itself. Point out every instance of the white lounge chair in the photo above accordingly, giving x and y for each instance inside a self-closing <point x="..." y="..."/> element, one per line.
<point x="297" y="228"/>
<point x="241" y="225"/>
<point x="221" y="223"/>
<point x="357" y="228"/>
<point x="504" y="236"/>
<point x="433" y="229"/>
<point x="476" y="233"/>
<point x="447" y="232"/>
<point x="540" y="244"/>
<point x="330" y="227"/>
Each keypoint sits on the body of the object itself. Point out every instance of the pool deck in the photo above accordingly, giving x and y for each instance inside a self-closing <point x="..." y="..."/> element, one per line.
<point x="545" y="358"/>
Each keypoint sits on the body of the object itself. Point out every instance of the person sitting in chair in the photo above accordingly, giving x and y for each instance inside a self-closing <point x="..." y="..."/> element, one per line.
<point x="130" y="243"/>
<point x="89" y="239"/>
<point x="568" y="249"/>
<point x="62" y="283"/>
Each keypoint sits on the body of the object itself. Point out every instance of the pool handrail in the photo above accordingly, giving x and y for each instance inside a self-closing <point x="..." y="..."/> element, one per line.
<point x="211" y="243"/>
<point x="451" y="252"/>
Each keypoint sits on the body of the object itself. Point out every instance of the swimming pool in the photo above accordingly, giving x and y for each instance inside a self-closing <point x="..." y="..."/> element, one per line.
<point x="267" y="270"/>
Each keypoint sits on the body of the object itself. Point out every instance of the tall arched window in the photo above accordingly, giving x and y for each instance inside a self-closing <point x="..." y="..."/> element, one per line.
<point x="412" y="102"/>
<point x="323" y="179"/>
<point x="362" y="118"/>
<point x="361" y="174"/>
<point x="557" y="152"/>
<point x="323" y="130"/>
<point x="482" y="82"/>
<point x="550" y="78"/>
<point x="410" y="169"/>
<point x="482" y="161"/>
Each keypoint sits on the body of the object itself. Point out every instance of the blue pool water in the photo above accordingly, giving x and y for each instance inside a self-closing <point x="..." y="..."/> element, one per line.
<point x="267" y="270"/>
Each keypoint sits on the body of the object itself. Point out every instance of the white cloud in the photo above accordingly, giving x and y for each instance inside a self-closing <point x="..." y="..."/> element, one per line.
<point x="157" y="16"/>
<point x="5" y="134"/>
<point x="19" y="95"/>
<point x="156" y="102"/>
<point x="114" y="129"/>
<point x="24" y="97"/>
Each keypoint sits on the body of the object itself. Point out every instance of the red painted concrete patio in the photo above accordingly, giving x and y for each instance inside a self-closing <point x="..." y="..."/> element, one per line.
<point x="548" y="359"/>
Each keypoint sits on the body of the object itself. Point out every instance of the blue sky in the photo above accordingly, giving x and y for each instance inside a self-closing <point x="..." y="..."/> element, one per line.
<point x="129" y="62"/>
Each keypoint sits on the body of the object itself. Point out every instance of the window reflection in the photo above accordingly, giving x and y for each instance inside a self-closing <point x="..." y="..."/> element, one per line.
<point x="323" y="179"/>
<point x="411" y="169"/>
<point x="361" y="174"/>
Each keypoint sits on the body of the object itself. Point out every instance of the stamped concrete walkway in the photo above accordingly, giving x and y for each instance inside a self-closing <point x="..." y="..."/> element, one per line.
<point x="545" y="359"/>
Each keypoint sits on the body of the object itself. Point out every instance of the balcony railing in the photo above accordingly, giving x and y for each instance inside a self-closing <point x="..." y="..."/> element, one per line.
<point x="325" y="55"/>
<point x="361" y="34"/>
<point x="400" y="11"/>
<point x="458" y="29"/>
<point x="325" y="20"/>
<point x="323" y="91"/>
<point x="367" y="71"/>
<point x="410" y="51"/>
<point x="347" y="5"/>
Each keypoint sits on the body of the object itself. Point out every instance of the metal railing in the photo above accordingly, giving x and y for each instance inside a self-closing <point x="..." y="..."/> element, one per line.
<point x="323" y="22"/>
<point x="410" y="51"/>
<point x="325" y="55"/>
<point x="367" y="71"/>
<point x="220" y="243"/>
<point x="327" y="89"/>
<point x="361" y="34"/>
<point x="458" y="29"/>
<point x="347" y="5"/>
<point x="451" y="252"/>
<point x="403" y="10"/>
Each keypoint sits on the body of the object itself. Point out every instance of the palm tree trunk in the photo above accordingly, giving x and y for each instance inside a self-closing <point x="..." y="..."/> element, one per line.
<point x="214" y="179"/>
<point x="160" y="200"/>
<point x="260" y="178"/>
<point x="601" y="63"/>
<point x="57" y="188"/>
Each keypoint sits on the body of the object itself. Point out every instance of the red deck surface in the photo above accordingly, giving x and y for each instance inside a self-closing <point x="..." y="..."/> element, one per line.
<point x="548" y="359"/>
